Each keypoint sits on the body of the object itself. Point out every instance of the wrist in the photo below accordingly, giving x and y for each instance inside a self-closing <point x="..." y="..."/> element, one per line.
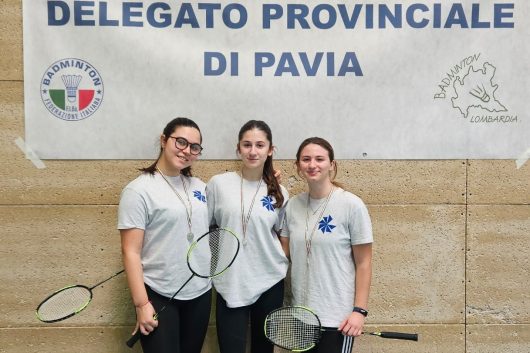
<point x="360" y="310"/>
<point x="141" y="305"/>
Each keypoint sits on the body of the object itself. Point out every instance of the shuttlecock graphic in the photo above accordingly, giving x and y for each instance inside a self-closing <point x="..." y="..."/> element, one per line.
<point x="480" y="93"/>
<point x="71" y="82"/>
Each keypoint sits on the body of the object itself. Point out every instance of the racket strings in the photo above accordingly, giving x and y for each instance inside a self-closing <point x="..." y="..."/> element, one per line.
<point x="64" y="303"/>
<point x="213" y="253"/>
<point x="293" y="329"/>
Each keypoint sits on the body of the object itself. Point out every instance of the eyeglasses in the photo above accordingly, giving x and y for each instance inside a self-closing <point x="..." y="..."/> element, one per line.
<point x="181" y="143"/>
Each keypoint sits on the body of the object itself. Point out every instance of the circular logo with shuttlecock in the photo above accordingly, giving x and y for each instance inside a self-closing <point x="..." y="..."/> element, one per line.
<point x="71" y="89"/>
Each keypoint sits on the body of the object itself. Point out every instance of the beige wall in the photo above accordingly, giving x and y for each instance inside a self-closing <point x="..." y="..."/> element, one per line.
<point x="451" y="253"/>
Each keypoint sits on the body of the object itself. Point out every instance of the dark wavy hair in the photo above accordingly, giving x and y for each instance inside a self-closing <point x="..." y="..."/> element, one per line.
<point x="325" y="145"/>
<point x="168" y="130"/>
<point x="273" y="187"/>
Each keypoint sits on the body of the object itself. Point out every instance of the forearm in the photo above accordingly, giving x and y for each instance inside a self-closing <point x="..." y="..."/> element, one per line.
<point x="362" y="257"/>
<point x="363" y="279"/>
<point x="131" y="248"/>
<point x="363" y="274"/>
<point x="285" y="246"/>
<point x="133" y="268"/>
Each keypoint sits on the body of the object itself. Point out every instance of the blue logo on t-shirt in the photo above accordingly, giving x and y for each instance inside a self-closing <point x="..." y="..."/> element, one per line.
<point x="325" y="224"/>
<point x="266" y="202"/>
<point x="197" y="194"/>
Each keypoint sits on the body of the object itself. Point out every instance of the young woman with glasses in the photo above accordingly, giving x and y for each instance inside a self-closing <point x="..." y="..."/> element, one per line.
<point x="160" y="214"/>
<point x="250" y="202"/>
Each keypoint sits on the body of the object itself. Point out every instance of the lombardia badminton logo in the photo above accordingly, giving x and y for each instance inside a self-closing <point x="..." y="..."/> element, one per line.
<point x="472" y="89"/>
<point x="71" y="89"/>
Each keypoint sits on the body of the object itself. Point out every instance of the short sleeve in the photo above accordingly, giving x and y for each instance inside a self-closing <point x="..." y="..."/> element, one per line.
<point x="210" y="200"/>
<point x="281" y="212"/>
<point x="360" y="225"/>
<point x="132" y="211"/>
<point x="284" y="229"/>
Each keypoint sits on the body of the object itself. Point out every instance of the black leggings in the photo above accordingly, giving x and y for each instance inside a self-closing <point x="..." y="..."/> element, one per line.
<point x="232" y="323"/>
<point x="333" y="341"/>
<point x="181" y="326"/>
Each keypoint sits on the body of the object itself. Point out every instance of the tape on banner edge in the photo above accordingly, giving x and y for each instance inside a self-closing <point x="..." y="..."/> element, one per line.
<point x="519" y="162"/>
<point x="30" y="154"/>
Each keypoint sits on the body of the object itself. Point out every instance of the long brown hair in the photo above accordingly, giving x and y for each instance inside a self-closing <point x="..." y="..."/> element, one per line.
<point x="168" y="130"/>
<point x="325" y="145"/>
<point x="273" y="187"/>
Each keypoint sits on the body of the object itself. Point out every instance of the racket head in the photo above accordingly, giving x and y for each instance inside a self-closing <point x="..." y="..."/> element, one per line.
<point x="295" y="328"/>
<point x="64" y="303"/>
<point x="213" y="253"/>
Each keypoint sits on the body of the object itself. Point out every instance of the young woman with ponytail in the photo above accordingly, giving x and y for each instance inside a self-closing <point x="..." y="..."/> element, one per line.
<point x="250" y="202"/>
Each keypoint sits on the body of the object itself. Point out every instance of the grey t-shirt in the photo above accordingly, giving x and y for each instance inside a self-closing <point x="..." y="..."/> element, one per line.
<point x="328" y="287"/>
<point x="149" y="203"/>
<point x="261" y="262"/>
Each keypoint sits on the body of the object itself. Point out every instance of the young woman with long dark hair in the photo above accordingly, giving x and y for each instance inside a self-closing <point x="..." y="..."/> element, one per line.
<point x="250" y="202"/>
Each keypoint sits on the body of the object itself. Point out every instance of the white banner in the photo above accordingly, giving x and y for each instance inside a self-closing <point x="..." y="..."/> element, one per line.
<point x="379" y="80"/>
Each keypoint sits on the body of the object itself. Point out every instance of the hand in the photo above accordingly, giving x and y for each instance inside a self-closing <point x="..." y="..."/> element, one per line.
<point x="352" y="325"/>
<point x="145" y="321"/>
<point x="278" y="175"/>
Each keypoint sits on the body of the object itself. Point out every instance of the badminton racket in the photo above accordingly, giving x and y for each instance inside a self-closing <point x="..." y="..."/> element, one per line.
<point x="298" y="329"/>
<point x="67" y="302"/>
<point x="209" y="256"/>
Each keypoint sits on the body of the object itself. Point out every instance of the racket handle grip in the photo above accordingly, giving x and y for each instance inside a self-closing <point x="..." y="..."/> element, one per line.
<point x="400" y="335"/>
<point x="134" y="338"/>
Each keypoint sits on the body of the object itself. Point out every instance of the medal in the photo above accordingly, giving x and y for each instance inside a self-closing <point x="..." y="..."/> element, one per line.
<point x="189" y="211"/>
<point x="245" y="220"/>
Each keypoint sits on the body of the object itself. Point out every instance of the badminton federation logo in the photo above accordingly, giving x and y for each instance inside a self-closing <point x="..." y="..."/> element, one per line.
<point x="71" y="89"/>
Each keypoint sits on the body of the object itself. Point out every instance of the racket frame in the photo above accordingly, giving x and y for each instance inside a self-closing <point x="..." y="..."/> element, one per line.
<point x="89" y="289"/>
<point x="69" y="315"/>
<point x="381" y="334"/>
<point x="194" y="245"/>
<point x="318" y="326"/>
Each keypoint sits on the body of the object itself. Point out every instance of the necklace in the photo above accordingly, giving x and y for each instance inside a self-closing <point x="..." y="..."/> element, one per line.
<point x="313" y="210"/>
<point x="309" y="238"/>
<point x="246" y="219"/>
<point x="187" y="206"/>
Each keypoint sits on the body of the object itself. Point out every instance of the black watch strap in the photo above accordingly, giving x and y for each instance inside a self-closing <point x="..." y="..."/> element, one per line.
<point x="360" y="311"/>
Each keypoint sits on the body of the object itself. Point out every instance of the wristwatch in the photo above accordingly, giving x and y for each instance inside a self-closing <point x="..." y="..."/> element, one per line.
<point x="361" y="311"/>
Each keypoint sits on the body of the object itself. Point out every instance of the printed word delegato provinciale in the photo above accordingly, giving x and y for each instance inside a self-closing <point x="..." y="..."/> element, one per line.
<point x="197" y="15"/>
